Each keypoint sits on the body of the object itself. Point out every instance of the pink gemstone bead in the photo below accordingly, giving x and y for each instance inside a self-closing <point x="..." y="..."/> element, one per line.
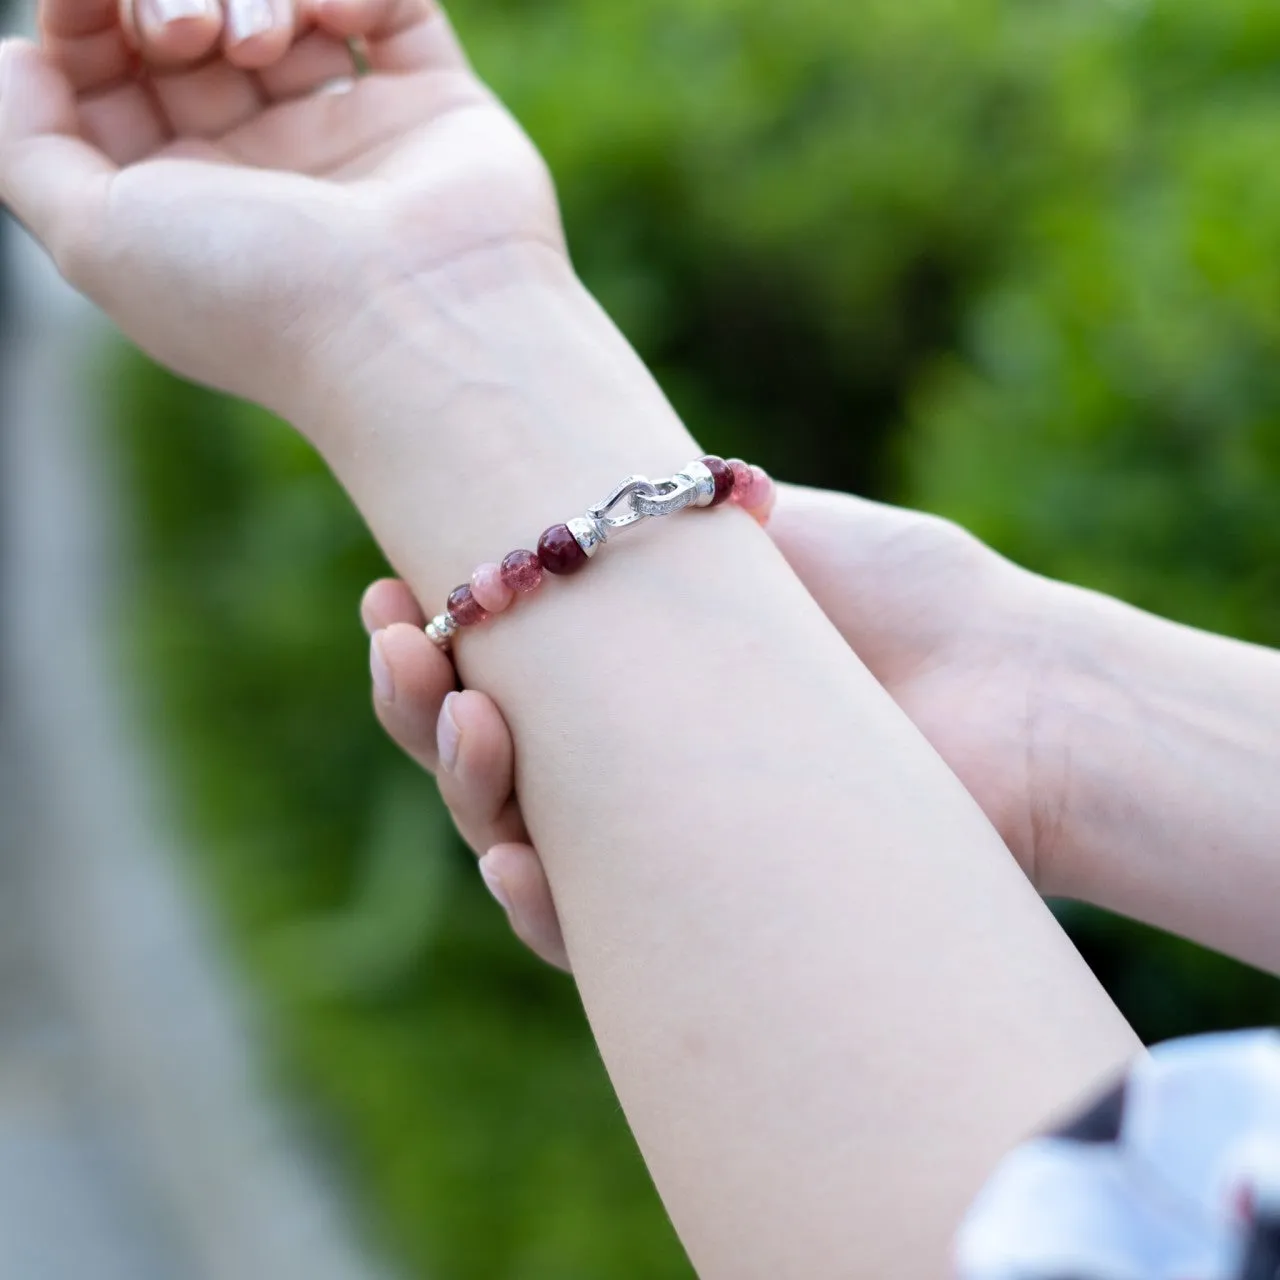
<point x="489" y="589"/>
<point x="522" y="571"/>
<point x="559" y="551"/>
<point x="762" y="495"/>
<point x="741" y="480"/>
<point x="722" y="475"/>
<point x="464" y="608"/>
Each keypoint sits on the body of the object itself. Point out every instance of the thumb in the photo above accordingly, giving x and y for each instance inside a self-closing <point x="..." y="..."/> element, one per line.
<point x="54" y="181"/>
<point x="896" y="583"/>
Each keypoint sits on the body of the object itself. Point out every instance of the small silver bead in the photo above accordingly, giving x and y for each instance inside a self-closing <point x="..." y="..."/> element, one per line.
<point x="703" y="480"/>
<point x="587" y="533"/>
<point x="441" y="629"/>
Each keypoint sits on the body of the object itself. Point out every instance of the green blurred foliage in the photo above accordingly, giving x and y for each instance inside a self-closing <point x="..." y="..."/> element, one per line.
<point x="1010" y="260"/>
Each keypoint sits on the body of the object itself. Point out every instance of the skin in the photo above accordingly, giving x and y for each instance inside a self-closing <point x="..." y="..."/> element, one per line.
<point x="1126" y="760"/>
<point x="827" y="996"/>
<point x="933" y="613"/>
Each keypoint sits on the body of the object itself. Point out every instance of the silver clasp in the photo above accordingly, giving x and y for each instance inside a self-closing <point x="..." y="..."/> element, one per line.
<point x="626" y="492"/>
<point x="643" y="498"/>
<point x="669" y="495"/>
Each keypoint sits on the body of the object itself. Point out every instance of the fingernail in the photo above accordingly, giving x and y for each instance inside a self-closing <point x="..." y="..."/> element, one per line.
<point x="384" y="688"/>
<point x="162" y="12"/>
<point x="493" y="882"/>
<point x="247" y="18"/>
<point x="6" y="61"/>
<point x="447" y="733"/>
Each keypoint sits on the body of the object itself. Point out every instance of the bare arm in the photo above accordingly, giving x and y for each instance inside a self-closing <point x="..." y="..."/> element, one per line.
<point x="827" y="996"/>
<point x="1163" y="746"/>
<point x="1128" y="761"/>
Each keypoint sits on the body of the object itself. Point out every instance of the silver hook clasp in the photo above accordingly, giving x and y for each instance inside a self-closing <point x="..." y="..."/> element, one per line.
<point x="669" y="495"/>
<point x="626" y="492"/>
<point x="643" y="498"/>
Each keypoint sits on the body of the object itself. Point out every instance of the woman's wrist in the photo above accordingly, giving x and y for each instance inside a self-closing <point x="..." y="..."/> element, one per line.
<point x="738" y="826"/>
<point x="450" y="326"/>
<point x="1073" y="700"/>
<point x="464" y="430"/>
<point x="1158" y="757"/>
<point x="1093" y="748"/>
<point x="1090" y="743"/>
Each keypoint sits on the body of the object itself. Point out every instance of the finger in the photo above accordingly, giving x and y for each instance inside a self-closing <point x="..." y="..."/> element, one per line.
<point x="95" y="61"/>
<point x="258" y="33"/>
<point x="514" y="875"/>
<point x="93" y="46"/>
<point x="314" y="61"/>
<point x="52" y="179"/>
<point x="75" y="19"/>
<point x="477" y="770"/>
<point x="411" y="678"/>
<point x="207" y="101"/>
<point x="85" y="40"/>
<point x="214" y="96"/>
<point x="388" y="601"/>
<point x="171" y="34"/>
<point x="870" y="566"/>
<point x="125" y="122"/>
<point x="832" y="533"/>
<point x="399" y="35"/>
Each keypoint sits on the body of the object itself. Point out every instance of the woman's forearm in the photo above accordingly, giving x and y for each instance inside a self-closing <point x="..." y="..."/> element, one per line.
<point x="1165" y="745"/>
<point x="825" y="994"/>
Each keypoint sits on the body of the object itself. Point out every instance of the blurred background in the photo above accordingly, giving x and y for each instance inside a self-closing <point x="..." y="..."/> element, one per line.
<point x="1013" y="261"/>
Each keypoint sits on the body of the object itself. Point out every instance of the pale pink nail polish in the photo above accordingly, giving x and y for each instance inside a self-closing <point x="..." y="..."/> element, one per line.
<point x="8" y="52"/>
<point x="248" y="18"/>
<point x="493" y="882"/>
<point x="384" y="688"/>
<point x="447" y="734"/>
<point x="163" y="12"/>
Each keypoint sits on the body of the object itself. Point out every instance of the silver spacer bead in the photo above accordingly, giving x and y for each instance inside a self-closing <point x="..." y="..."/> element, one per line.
<point x="705" y="483"/>
<point x="587" y="533"/>
<point x="441" y="630"/>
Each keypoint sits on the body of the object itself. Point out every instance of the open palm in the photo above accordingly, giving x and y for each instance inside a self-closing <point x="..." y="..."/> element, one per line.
<point x="142" y="150"/>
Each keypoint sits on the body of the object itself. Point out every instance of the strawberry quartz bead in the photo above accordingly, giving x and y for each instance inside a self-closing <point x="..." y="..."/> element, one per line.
<point x="762" y="494"/>
<point x="492" y="594"/>
<point x="559" y="552"/>
<point x="722" y="475"/>
<point x="464" y="608"/>
<point x="522" y="571"/>
<point x="741" y="480"/>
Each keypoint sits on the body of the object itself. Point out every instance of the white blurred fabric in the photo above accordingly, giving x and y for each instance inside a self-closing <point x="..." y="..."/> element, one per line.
<point x="1175" y="1196"/>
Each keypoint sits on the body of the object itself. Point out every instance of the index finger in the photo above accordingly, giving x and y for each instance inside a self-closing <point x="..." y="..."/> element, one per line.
<point x="75" y="19"/>
<point x="86" y="42"/>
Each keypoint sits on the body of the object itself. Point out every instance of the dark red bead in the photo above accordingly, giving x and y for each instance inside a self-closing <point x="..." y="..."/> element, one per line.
<point x="464" y="608"/>
<point x="559" y="551"/>
<point x="722" y="473"/>
<point x="522" y="571"/>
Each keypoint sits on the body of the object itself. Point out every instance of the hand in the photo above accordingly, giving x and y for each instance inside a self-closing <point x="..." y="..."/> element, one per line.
<point x="192" y="177"/>
<point x="961" y="639"/>
<point x="461" y="738"/>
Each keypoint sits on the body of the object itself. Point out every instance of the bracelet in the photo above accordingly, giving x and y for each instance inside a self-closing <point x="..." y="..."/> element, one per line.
<point x="565" y="548"/>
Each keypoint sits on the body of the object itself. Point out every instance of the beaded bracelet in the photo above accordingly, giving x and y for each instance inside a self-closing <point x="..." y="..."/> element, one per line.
<point x="565" y="548"/>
